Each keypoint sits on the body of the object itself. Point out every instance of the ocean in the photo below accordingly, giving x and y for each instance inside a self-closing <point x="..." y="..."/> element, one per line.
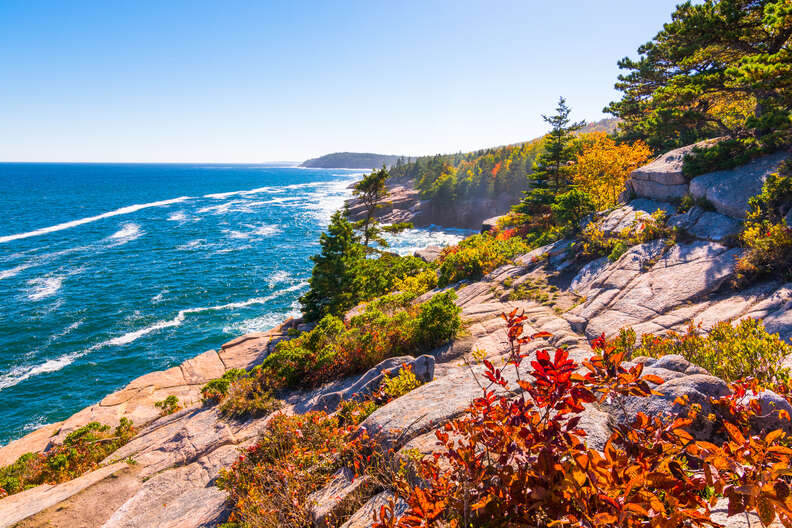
<point x="111" y="271"/>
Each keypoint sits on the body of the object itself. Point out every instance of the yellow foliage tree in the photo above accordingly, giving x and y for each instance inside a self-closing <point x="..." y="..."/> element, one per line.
<point x="603" y="166"/>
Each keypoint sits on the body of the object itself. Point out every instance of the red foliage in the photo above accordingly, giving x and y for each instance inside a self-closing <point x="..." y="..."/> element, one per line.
<point x="523" y="461"/>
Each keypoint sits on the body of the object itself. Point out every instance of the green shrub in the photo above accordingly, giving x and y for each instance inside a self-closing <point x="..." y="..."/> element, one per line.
<point x="478" y="255"/>
<point x="168" y="406"/>
<point x="399" y="385"/>
<point x="81" y="451"/>
<point x="594" y="243"/>
<point x="765" y="236"/>
<point x="729" y="352"/>
<point x="571" y="207"/>
<point x="246" y="397"/>
<point x="216" y="389"/>
<point x="437" y="321"/>
<point x="334" y="349"/>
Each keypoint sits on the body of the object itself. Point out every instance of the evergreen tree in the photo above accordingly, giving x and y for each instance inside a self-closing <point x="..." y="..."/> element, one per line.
<point x="551" y="164"/>
<point x="332" y="283"/>
<point x="371" y="191"/>
<point x="720" y="67"/>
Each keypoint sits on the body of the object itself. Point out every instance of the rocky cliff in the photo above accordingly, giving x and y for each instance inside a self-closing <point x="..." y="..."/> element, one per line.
<point x="164" y="477"/>
<point x="404" y="204"/>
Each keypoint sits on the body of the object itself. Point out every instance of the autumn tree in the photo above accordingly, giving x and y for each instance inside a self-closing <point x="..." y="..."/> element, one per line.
<point x="603" y="166"/>
<point x="720" y="67"/>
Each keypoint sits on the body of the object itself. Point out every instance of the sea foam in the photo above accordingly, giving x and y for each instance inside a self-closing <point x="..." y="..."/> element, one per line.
<point x="74" y="223"/>
<point x="44" y="287"/>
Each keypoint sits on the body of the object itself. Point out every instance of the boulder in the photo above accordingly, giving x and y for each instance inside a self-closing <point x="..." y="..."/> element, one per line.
<point x="625" y="217"/>
<point x="729" y="190"/>
<point x="715" y="227"/>
<point x="429" y="253"/>
<point x="490" y="224"/>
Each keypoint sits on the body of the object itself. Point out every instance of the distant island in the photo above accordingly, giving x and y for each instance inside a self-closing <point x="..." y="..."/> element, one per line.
<point x="352" y="160"/>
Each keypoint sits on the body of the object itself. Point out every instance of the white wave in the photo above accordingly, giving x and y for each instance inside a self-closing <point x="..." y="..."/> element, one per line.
<point x="38" y="423"/>
<point x="181" y="316"/>
<point x="277" y="278"/>
<point x="259" y="324"/>
<point x="178" y="216"/>
<point x="192" y="244"/>
<point x="159" y="297"/>
<point x="65" y="331"/>
<point x="74" y="223"/>
<point x="261" y="230"/>
<point x="220" y="196"/>
<point x="43" y="287"/>
<point x="19" y="374"/>
<point x="6" y="274"/>
<point x="128" y="232"/>
<point x="409" y="241"/>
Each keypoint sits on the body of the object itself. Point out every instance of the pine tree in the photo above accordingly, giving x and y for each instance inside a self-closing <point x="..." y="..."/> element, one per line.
<point x="332" y="289"/>
<point x="551" y="164"/>
<point x="718" y="68"/>
<point x="371" y="191"/>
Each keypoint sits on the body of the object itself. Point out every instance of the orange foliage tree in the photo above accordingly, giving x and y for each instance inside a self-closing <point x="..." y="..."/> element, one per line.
<point x="603" y="166"/>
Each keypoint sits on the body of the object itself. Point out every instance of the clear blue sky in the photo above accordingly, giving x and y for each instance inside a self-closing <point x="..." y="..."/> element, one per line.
<point x="235" y="81"/>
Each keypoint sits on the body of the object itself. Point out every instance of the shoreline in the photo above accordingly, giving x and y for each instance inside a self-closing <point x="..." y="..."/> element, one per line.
<point x="135" y="400"/>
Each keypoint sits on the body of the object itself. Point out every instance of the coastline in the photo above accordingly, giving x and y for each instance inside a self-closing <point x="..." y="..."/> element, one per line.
<point x="135" y="401"/>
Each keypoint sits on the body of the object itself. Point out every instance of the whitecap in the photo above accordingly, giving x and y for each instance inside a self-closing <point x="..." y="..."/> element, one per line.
<point x="181" y="316"/>
<point x="191" y="245"/>
<point x="260" y="230"/>
<point x="19" y="374"/>
<point x="74" y="223"/>
<point x="278" y="277"/>
<point x="409" y="241"/>
<point x="178" y="216"/>
<point x="129" y="231"/>
<point x="43" y="287"/>
<point x="7" y="274"/>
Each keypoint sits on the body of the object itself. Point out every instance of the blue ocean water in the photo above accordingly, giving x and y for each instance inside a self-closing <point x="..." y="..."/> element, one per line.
<point x="110" y="271"/>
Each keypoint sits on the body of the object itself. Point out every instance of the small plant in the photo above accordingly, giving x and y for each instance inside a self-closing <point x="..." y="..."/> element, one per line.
<point x="216" y="389"/>
<point x="478" y="255"/>
<point x="245" y="397"/>
<point x="766" y="236"/>
<point x="168" y="406"/>
<point x="81" y="451"/>
<point x="399" y="385"/>
<point x="595" y="243"/>
<point x="745" y="350"/>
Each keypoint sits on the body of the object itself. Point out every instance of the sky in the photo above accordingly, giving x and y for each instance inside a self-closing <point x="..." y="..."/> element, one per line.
<point x="255" y="81"/>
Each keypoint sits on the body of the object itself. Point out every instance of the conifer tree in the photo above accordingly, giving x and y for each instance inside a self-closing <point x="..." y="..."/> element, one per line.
<point x="371" y="191"/>
<point x="551" y="164"/>
<point x="332" y="282"/>
<point x="719" y="67"/>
